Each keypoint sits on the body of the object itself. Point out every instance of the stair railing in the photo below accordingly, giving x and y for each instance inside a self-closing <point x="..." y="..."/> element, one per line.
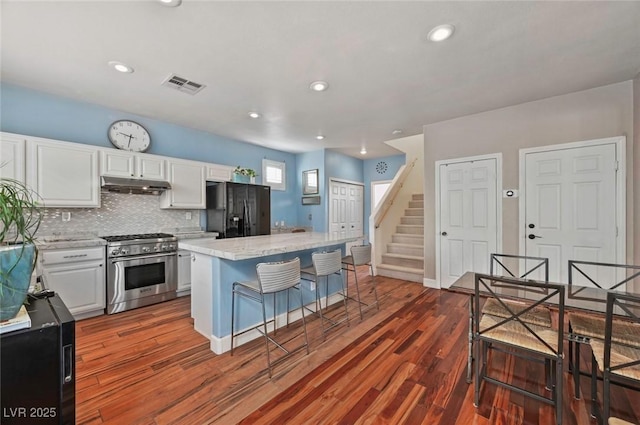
<point x="380" y="212"/>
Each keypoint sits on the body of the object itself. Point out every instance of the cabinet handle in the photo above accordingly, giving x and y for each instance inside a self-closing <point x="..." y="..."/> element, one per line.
<point x="75" y="256"/>
<point x="131" y="175"/>
<point x="140" y="175"/>
<point x="193" y="258"/>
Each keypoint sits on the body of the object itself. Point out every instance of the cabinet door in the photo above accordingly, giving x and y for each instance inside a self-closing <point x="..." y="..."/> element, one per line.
<point x="80" y="285"/>
<point x="187" y="186"/>
<point x="63" y="174"/>
<point x="151" y="167"/>
<point x="12" y="157"/>
<point x="219" y="173"/>
<point x="117" y="163"/>
<point x="184" y="271"/>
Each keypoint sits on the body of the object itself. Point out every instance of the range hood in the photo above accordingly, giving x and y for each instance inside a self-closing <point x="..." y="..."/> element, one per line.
<point x="136" y="186"/>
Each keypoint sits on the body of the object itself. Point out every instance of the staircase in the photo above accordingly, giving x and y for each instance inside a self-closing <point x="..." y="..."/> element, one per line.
<point x="404" y="255"/>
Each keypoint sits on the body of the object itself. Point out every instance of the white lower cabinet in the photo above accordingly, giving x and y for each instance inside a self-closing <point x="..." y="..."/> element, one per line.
<point x="184" y="272"/>
<point x="77" y="276"/>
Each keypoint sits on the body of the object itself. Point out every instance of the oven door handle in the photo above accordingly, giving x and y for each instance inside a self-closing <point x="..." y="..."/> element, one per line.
<point x="142" y="257"/>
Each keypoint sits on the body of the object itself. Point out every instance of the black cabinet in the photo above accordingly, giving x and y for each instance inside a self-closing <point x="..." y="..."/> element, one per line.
<point x="37" y="368"/>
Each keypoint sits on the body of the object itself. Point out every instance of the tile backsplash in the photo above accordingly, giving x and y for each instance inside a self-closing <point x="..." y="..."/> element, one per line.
<point x="119" y="214"/>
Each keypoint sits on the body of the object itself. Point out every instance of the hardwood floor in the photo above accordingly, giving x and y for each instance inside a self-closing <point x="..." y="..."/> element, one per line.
<point x="403" y="364"/>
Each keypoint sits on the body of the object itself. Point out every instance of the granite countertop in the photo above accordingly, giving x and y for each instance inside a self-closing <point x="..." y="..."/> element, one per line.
<point x="261" y="246"/>
<point x="60" y="243"/>
<point x="196" y="235"/>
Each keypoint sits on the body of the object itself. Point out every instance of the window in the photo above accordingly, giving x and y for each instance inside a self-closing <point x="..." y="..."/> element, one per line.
<point x="274" y="173"/>
<point x="379" y="189"/>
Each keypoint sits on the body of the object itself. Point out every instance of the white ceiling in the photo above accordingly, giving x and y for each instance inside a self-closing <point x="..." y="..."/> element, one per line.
<point x="261" y="55"/>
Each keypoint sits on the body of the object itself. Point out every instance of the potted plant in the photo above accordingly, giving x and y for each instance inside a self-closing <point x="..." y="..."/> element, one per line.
<point x="244" y="175"/>
<point x="20" y="216"/>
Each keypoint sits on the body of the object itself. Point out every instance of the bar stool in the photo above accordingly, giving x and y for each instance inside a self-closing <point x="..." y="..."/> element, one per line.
<point x="360" y="256"/>
<point x="324" y="265"/>
<point x="272" y="278"/>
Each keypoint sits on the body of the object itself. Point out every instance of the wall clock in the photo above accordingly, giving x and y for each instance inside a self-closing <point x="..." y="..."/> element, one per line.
<point x="129" y="136"/>
<point x="381" y="167"/>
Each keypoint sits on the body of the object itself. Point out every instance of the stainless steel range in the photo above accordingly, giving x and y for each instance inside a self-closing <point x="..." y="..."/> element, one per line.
<point x="141" y="270"/>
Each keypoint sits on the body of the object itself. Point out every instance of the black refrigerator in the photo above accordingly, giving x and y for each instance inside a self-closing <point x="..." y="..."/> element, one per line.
<point x="38" y="367"/>
<point x="238" y="209"/>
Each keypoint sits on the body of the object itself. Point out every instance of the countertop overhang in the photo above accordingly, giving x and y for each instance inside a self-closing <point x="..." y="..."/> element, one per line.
<point x="262" y="246"/>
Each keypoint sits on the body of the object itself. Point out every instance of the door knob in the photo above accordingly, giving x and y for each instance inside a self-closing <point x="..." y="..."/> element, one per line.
<point x="444" y="233"/>
<point x="531" y="225"/>
<point x="532" y="236"/>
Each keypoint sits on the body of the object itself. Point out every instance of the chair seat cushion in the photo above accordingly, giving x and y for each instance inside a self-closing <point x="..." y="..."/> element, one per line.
<point x="623" y="332"/>
<point x="539" y="315"/>
<point x="620" y="354"/>
<point x="514" y="333"/>
<point x="617" y="421"/>
<point x="308" y="270"/>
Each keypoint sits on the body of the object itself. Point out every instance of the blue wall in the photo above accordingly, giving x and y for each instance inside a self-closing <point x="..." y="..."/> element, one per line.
<point x="34" y="113"/>
<point x="310" y="161"/>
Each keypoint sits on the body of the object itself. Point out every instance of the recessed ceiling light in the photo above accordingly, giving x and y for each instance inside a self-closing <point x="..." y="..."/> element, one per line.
<point x="121" y="67"/>
<point x="441" y="32"/>
<point x="254" y="115"/>
<point x="170" y="3"/>
<point x="363" y="151"/>
<point x="320" y="137"/>
<point x="396" y="132"/>
<point x="319" y="86"/>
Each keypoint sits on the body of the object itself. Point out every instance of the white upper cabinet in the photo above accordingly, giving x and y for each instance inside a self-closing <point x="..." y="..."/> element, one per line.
<point x="188" y="185"/>
<point x="63" y="174"/>
<point x="126" y="164"/>
<point x="12" y="160"/>
<point x="219" y="173"/>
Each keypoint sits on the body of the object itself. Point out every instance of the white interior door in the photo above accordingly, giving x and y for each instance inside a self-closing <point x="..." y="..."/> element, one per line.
<point x="468" y="217"/>
<point x="346" y="213"/>
<point x="571" y="207"/>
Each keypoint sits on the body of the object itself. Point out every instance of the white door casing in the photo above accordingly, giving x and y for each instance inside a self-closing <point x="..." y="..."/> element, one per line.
<point x="574" y="196"/>
<point x="468" y="222"/>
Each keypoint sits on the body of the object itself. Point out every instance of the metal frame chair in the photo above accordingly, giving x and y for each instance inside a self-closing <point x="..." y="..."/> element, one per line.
<point x="517" y="337"/>
<point x="536" y="316"/>
<point x="324" y="265"/>
<point x="360" y="256"/>
<point x="273" y="278"/>
<point x="616" y="358"/>
<point x="584" y="326"/>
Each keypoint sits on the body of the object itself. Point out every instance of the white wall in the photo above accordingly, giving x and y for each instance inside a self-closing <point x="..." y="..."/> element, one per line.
<point x="591" y="114"/>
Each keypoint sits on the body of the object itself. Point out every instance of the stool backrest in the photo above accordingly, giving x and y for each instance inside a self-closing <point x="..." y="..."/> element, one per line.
<point x="274" y="277"/>
<point x="326" y="263"/>
<point x="361" y="254"/>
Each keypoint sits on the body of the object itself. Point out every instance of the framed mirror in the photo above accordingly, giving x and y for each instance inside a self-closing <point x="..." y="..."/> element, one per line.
<point x="310" y="182"/>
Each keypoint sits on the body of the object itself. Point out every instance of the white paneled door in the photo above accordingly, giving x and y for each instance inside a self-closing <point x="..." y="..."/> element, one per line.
<point x="571" y="206"/>
<point x="346" y="213"/>
<point x="468" y="222"/>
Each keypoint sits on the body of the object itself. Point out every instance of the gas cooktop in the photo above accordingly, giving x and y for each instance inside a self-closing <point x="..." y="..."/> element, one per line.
<point x="142" y="236"/>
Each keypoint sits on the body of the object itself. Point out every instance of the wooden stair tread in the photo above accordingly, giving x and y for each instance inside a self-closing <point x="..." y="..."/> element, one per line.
<point x="409" y="257"/>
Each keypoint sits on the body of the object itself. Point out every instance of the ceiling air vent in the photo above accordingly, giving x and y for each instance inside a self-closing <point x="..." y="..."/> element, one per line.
<point x="182" y="84"/>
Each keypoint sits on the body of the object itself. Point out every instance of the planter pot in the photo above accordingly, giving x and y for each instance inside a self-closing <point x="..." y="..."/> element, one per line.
<point x="16" y="266"/>
<point x="240" y="178"/>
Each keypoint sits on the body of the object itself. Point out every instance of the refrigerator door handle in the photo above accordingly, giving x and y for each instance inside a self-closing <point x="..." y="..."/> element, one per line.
<point x="67" y="362"/>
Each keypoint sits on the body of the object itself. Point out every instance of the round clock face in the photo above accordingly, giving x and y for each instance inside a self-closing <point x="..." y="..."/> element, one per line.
<point x="129" y="135"/>
<point x="381" y="167"/>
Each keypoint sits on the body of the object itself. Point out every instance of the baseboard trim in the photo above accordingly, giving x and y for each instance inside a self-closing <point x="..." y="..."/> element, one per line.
<point x="430" y="283"/>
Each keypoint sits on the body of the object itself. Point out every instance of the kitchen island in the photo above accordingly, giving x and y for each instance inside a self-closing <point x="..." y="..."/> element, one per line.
<point x="217" y="263"/>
